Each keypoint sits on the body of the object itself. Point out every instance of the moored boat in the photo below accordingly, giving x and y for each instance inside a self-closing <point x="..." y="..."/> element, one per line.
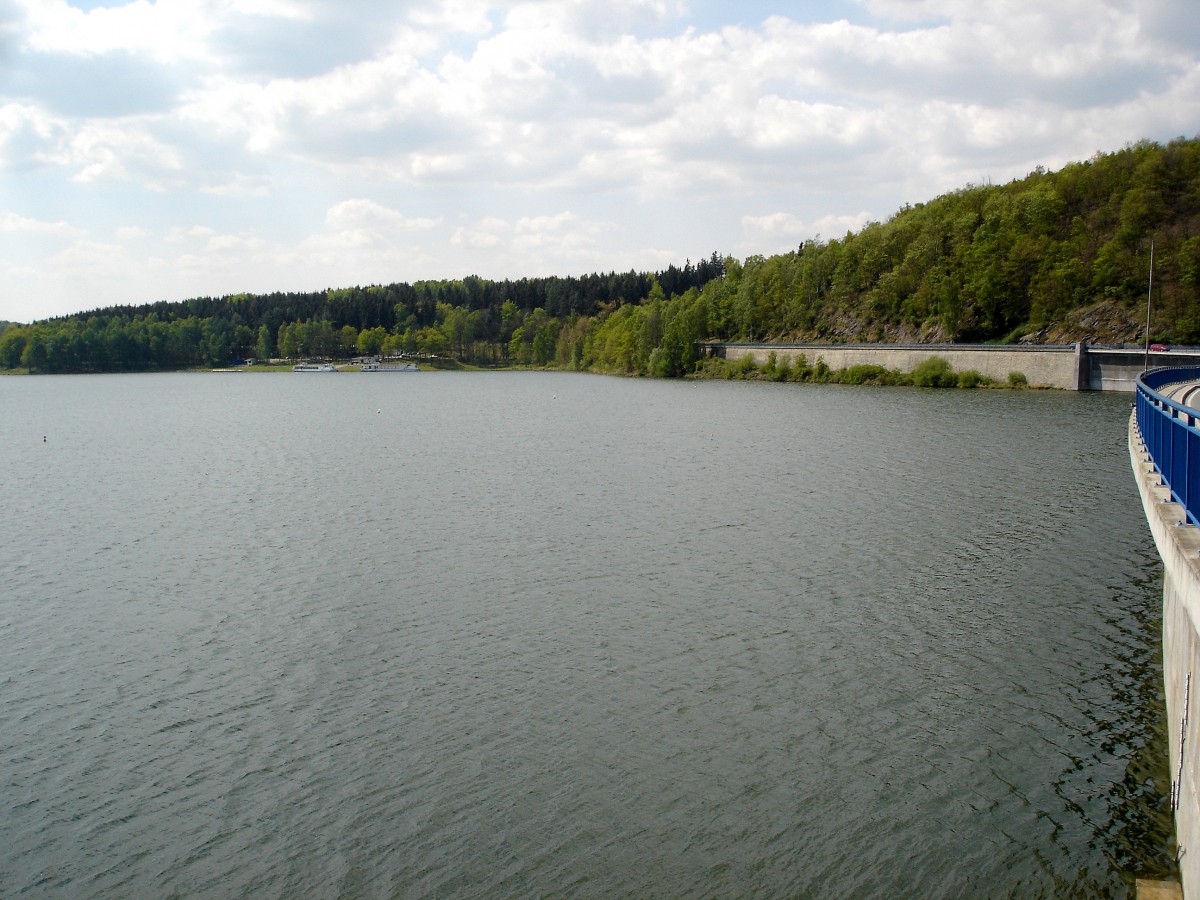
<point x="314" y="367"/>
<point x="384" y="367"/>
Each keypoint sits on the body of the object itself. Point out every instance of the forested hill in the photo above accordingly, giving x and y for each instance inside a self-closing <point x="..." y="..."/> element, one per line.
<point x="1053" y="257"/>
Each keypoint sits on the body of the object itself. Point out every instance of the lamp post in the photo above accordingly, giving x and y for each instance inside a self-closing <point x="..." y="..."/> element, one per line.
<point x="1149" y="292"/>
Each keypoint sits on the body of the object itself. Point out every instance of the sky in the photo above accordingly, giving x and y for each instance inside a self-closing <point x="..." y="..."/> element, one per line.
<point x="166" y="149"/>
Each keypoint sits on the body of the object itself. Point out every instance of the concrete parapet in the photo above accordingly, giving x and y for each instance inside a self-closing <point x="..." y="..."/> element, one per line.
<point x="1179" y="547"/>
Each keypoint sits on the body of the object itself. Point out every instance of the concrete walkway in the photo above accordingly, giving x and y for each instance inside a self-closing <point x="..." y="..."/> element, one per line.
<point x="1186" y="393"/>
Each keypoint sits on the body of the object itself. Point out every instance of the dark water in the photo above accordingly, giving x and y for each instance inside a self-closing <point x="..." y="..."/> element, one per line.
<point x="524" y="634"/>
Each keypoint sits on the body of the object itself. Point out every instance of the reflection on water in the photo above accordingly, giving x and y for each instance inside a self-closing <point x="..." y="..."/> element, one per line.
<point x="515" y="634"/>
<point x="1137" y="830"/>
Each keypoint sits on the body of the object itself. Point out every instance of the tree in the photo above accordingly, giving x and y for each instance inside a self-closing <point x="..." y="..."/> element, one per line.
<point x="518" y="348"/>
<point x="264" y="348"/>
<point x="510" y="318"/>
<point x="347" y="340"/>
<point x="12" y="345"/>
<point x="458" y="325"/>
<point x="370" y="341"/>
<point x="544" y="343"/>
<point x="431" y="341"/>
<point x="34" y="356"/>
<point x="391" y="345"/>
<point x="217" y="341"/>
<point x="288" y="348"/>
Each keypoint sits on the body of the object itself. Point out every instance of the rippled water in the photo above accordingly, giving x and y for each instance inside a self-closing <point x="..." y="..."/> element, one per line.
<point x="524" y="634"/>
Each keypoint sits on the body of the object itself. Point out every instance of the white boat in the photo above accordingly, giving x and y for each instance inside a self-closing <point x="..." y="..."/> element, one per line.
<point x="384" y="367"/>
<point x="314" y="367"/>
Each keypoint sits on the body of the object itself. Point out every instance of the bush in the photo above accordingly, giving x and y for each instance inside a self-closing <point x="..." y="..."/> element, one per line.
<point x="712" y="367"/>
<point x="1017" y="379"/>
<point x="865" y="374"/>
<point x="934" y="372"/>
<point x="969" y="379"/>
<point x="745" y="367"/>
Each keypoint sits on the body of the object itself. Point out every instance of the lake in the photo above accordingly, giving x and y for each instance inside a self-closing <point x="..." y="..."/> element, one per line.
<point x="520" y="634"/>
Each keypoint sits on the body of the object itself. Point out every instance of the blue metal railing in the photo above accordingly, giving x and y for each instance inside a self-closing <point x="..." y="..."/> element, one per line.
<point x="1171" y="435"/>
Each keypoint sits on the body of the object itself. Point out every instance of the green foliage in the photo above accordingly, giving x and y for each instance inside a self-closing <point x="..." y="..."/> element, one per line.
<point x="264" y="347"/>
<point x="370" y="341"/>
<point x="970" y="379"/>
<point x="713" y="367"/>
<point x="474" y="319"/>
<point x="1017" y="379"/>
<point x="934" y="372"/>
<point x="984" y="263"/>
<point x="867" y="374"/>
<point x="285" y="340"/>
<point x="12" y="347"/>
<point x="990" y="261"/>
<point x="801" y="371"/>
<point x="745" y="367"/>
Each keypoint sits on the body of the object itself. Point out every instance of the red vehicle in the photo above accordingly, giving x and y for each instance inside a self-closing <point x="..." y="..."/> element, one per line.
<point x="1159" y="348"/>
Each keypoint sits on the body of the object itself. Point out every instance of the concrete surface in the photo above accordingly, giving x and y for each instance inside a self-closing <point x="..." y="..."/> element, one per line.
<point x="1069" y="368"/>
<point x="1158" y="890"/>
<point x="1179" y="547"/>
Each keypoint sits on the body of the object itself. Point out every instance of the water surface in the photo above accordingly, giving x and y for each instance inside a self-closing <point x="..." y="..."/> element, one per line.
<point x="521" y="634"/>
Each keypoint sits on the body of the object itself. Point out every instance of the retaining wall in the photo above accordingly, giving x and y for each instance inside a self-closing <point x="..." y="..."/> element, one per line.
<point x="1071" y="368"/>
<point x="1117" y="370"/>
<point x="1044" y="366"/>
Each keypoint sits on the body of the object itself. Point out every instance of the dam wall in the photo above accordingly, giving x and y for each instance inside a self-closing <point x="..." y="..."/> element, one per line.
<point x="1073" y="367"/>
<point x="1179" y="546"/>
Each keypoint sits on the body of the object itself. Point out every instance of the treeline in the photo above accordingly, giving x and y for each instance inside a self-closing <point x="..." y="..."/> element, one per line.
<point x="1056" y="256"/>
<point x="474" y="319"/>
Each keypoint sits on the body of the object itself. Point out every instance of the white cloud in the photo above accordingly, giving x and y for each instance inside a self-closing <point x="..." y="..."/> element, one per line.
<point x="27" y="133"/>
<point x="363" y="222"/>
<point x="119" y="149"/>
<point x="239" y="184"/>
<point x="162" y="30"/>
<point x="484" y="234"/>
<point x="537" y="245"/>
<point x="166" y="31"/>
<point x="14" y="224"/>
<point x="88" y="255"/>
<point x="782" y="231"/>
<point x="535" y="137"/>
<point x="468" y="16"/>
<point x="179" y="235"/>
<point x="225" y="243"/>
